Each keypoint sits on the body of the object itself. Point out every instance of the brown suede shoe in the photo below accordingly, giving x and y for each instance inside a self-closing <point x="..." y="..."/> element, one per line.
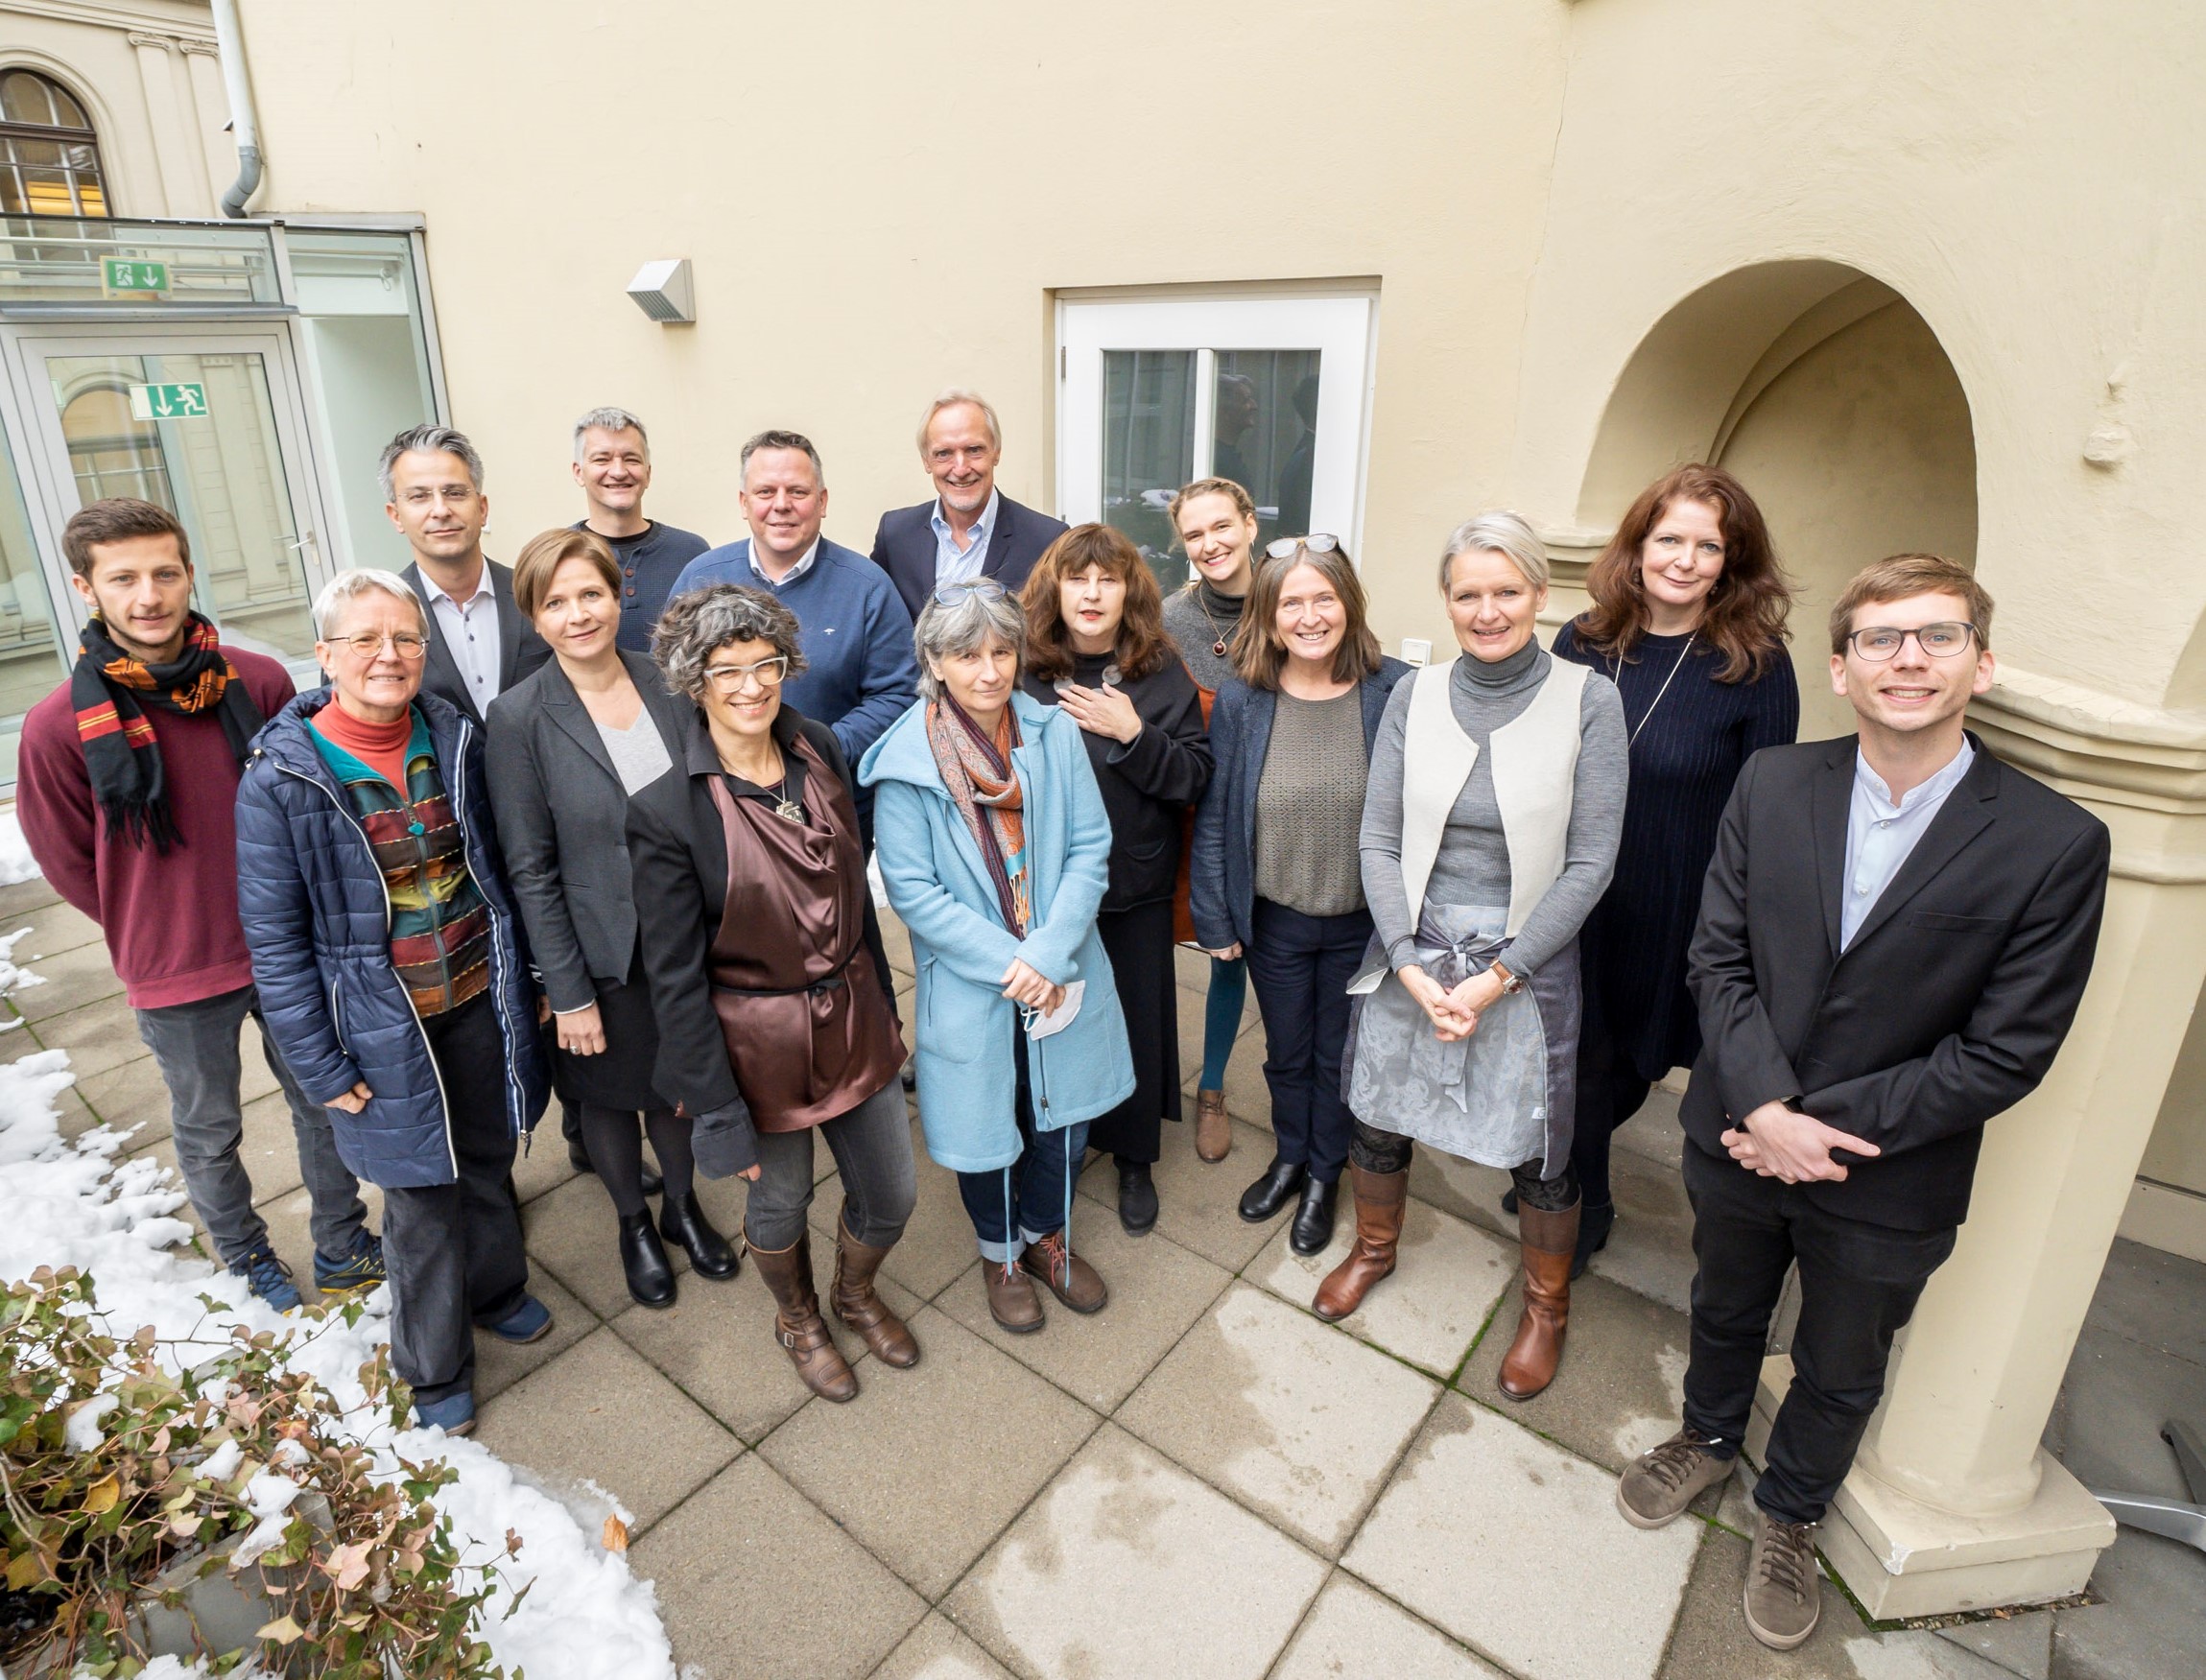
<point x="796" y="1322"/>
<point x="1782" y="1596"/>
<point x="1213" y="1131"/>
<point x="1656" y="1486"/>
<point x="1012" y="1302"/>
<point x="1549" y="1242"/>
<point x="860" y="1306"/>
<point x="1380" y="1200"/>
<point x="1071" y="1279"/>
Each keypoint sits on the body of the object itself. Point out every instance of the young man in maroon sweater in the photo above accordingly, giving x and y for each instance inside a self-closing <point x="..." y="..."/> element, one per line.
<point x="127" y="788"/>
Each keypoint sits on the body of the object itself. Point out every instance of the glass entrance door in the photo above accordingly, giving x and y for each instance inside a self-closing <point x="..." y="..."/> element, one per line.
<point x="209" y="427"/>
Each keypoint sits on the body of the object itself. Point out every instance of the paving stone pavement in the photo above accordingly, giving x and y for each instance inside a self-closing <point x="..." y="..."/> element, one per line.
<point x="1201" y="1480"/>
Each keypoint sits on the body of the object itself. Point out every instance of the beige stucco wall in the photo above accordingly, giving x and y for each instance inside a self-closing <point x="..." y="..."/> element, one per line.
<point x="147" y="73"/>
<point x="1926" y="275"/>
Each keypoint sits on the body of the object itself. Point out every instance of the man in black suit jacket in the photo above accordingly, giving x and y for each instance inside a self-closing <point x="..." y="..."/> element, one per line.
<point x="970" y="529"/>
<point x="479" y="643"/>
<point x="1894" y="935"/>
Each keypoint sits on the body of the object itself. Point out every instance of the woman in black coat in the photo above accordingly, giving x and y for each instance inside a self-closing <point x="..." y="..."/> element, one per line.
<point x="1096" y="646"/>
<point x="1688" y="621"/>
<point x="567" y="748"/>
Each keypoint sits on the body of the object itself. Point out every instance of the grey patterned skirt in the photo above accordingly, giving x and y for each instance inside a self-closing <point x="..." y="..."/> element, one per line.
<point x="1505" y="1097"/>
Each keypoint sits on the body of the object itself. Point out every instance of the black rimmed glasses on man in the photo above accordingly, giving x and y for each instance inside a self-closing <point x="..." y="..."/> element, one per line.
<point x="1880" y="643"/>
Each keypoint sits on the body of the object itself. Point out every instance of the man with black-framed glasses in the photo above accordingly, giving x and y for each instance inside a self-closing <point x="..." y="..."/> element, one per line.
<point x="1895" y="936"/>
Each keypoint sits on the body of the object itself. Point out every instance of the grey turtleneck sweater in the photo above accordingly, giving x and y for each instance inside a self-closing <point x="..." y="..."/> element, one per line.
<point x="1196" y="618"/>
<point x="1473" y="866"/>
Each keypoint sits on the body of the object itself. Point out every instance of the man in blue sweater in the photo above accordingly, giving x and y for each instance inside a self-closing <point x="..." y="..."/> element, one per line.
<point x="860" y="674"/>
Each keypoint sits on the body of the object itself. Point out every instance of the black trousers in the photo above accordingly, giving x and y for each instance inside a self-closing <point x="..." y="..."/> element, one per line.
<point x="1610" y="1092"/>
<point x="1300" y="967"/>
<point x="454" y="1250"/>
<point x="1859" y="1285"/>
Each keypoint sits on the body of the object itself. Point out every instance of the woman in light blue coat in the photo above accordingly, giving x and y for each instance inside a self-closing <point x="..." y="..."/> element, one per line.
<point x="995" y="848"/>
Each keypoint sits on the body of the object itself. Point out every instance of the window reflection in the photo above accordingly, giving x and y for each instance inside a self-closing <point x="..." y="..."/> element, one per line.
<point x="49" y="155"/>
<point x="1149" y="440"/>
<point x="1264" y="411"/>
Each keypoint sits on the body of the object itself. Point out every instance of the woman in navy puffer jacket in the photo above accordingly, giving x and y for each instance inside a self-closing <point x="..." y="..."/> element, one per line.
<point x="392" y="977"/>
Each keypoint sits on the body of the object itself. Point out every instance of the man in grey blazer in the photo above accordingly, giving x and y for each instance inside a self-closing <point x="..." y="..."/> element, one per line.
<point x="969" y="529"/>
<point x="479" y="643"/>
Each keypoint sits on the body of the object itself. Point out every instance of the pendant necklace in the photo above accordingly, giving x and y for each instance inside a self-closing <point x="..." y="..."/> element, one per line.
<point x="784" y="806"/>
<point x="1683" y="653"/>
<point x="1216" y="647"/>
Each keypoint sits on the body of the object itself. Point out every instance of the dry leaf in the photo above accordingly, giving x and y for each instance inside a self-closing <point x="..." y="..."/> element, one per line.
<point x="100" y="1496"/>
<point x="348" y="1566"/>
<point x="26" y="1569"/>
<point x="616" y="1535"/>
<point x="282" y="1630"/>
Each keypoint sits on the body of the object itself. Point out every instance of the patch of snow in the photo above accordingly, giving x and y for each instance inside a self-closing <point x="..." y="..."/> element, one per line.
<point x="16" y="860"/>
<point x="587" y="1618"/>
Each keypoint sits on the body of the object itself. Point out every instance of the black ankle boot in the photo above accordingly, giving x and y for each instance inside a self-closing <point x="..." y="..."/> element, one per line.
<point x="681" y="1220"/>
<point x="1136" y="1197"/>
<point x="1313" y="1226"/>
<point x="1595" y="1220"/>
<point x="1270" y="1193"/>
<point x="643" y="1257"/>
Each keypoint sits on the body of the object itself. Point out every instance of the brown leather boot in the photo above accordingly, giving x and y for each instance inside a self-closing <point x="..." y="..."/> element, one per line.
<point x="860" y="1306"/>
<point x="1071" y="1279"/>
<point x="1380" y="1200"/>
<point x="796" y="1322"/>
<point x="1550" y="1241"/>
<point x="1213" y="1131"/>
<point x="1012" y="1302"/>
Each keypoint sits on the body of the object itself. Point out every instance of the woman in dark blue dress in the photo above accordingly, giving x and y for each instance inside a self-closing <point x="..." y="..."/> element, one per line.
<point x="1688" y="621"/>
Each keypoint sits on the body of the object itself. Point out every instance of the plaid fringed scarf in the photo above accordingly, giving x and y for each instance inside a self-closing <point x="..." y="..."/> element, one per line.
<point x="985" y="789"/>
<point x="110" y="690"/>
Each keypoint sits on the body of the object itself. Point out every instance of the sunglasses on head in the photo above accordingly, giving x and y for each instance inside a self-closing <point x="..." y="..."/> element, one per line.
<point x="950" y="594"/>
<point x="1318" y="542"/>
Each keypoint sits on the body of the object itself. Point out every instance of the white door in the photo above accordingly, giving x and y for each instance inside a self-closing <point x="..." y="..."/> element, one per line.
<point x="1273" y="393"/>
<point x="209" y="423"/>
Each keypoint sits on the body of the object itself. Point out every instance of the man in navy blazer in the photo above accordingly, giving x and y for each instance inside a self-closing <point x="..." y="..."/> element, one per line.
<point x="970" y="529"/>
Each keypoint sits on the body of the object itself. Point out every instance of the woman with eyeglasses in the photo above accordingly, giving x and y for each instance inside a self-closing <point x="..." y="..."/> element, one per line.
<point x="1275" y="874"/>
<point x="1216" y="525"/>
<point x="1095" y="646"/>
<point x="1496" y="794"/>
<point x="773" y="1016"/>
<point x="569" y="748"/>
<point x="995" y="847"/>
<point x="1688" y="621"/>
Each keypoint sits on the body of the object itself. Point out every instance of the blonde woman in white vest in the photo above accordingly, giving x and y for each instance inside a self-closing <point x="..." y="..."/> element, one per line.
<point x="1479" y="864"/>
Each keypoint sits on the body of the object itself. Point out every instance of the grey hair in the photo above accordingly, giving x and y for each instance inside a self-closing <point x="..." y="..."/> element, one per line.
<point x="348" y="586"/>
<point x="698" y="625"/>
<point x="429" y="440"/>
<point x="774" y="437"/>
<point x="611" y="421"/>
<point x="1502" y="532"/>
<point x="950" y="399"/>
<point x="964" y="625"/>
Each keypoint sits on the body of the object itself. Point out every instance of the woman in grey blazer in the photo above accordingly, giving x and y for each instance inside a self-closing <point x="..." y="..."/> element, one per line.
<point x="567" y="749"/>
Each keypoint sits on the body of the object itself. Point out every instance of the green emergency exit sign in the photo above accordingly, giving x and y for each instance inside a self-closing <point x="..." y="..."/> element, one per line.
<point x="126" y="277"/>
<point x="168" y="402"/>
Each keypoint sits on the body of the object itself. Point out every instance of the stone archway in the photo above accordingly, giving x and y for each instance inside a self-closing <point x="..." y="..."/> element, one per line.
<point x="1833" y="401"/>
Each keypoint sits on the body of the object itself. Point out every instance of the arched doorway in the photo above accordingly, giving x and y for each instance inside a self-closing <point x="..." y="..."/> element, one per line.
<point x="1832" y="401"/>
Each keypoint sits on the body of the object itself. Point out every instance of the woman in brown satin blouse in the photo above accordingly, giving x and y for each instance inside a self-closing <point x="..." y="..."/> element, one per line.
<point x="773" y="1019"/>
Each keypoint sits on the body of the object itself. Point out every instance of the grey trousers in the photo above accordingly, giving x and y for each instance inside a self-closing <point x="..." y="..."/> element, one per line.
<point x="196" y="1047"/>
<point x="872" y="1148"/>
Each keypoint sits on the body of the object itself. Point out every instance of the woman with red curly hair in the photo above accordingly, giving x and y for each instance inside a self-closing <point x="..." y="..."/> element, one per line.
<point x="1688" y="621"/>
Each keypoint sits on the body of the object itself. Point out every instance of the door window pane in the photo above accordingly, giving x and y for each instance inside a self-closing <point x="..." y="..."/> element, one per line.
<point x="1264" y="415"/>
<point x="1149" y="446"/>
<point x="362" y="330"/>
<point x="32" y="655"/>
<point x="197" y="433"/>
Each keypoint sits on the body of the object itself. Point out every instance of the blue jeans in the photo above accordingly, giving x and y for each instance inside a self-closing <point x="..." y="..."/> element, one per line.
<point x="1301" y="966"/>
<point x="1221" y="1019"/>
<point x="1034" y="1196"/>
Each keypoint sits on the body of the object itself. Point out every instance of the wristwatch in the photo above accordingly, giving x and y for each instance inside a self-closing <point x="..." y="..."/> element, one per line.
<point x="1510" y="982"/>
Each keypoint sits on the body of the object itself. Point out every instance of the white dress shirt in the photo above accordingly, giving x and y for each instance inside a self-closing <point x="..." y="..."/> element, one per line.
<point x="955" y="565"/>
<point x="470" y="629"/>
<point x="1880" y="833"/>
<point x="802" y="566"/>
